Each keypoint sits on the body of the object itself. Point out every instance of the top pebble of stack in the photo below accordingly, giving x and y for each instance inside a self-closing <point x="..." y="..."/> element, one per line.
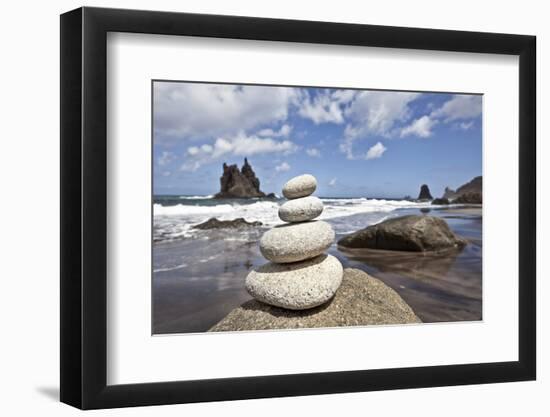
<point x="301" y="186"/>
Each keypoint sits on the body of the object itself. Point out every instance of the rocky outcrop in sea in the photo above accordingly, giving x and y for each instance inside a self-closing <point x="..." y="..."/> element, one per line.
<point x="449" y="193"/>
<point x="243" y="183"/>
<point x="469" y="193"/>
<point x="424" y="193"/>
<point x="214" y="223"/>
<point x="474" y="186"/>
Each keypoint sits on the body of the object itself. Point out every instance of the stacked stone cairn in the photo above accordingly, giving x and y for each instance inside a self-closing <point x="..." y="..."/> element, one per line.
<point x="299" y="275"/>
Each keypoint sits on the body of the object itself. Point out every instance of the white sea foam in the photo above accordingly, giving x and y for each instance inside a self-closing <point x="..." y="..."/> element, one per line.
<point x="349" y="207"/>
<point x="196" y="197"/>
<point x="266" y="211"/>
<point x="177" y="221"/>
<point x="185" y="210"/>
<point x="171" y="268"/>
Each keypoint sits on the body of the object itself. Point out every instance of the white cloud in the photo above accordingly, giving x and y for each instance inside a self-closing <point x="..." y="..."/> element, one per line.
<point x="283" y="167"/>
<point x="240" y="144"/>
<point x="344" y="96"/>
<point x="284" y="131"/>
<point x="325" y="107"/>
<point x="192" y="165"/>
<point x="460" y="107"/>
<point x="165" y="158"/>
<point x="189" y="110"/>
<point x="332" y="182"/>
<point x="203" y="149"/>
<point x="313" y="152"/>
<point x="421" y="127"/>
<point x="193" y="150"/>
<point x="465" y="125"/>
<point x="250" y="145"/>
<point x="376" y="151"/>
<point x="375" y="113"/>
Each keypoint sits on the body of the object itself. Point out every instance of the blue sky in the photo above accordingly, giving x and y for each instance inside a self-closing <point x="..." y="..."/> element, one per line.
<point x="357" y="143"/>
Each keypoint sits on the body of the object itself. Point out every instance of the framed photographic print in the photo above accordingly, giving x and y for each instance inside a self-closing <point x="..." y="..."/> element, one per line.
<point x="259" y="207"/>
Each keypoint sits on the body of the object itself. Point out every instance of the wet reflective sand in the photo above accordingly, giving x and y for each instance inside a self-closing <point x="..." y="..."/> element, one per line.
<point x="444" y="286"/>
<point x="198" y="281"/>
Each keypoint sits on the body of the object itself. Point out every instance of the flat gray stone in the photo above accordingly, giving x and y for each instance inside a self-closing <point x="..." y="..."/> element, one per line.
<point x="301" y="209"/>
<point x="300" y="186"/>
<point x="361" y="300"/>
<point x="296" y="286"/>
<point x="296" y="241"/>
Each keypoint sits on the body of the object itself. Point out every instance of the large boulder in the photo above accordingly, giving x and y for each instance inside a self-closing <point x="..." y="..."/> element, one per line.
<point x="408" y="233"/>
<point x="214" y="223"/>
<point x="361" y="300"/>
<point x="239" y="184"/>
<point x="424" y="193"/>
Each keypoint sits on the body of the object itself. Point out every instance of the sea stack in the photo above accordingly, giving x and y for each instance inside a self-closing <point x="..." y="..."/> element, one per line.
<point x="239" y="184"/>
<point x="425" y="193"/>
<point x="299" y="275"/>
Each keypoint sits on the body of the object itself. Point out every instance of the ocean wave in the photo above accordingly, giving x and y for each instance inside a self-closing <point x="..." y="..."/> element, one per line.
<point x="332" y="211"/>
<point x="177" y="221"/>
<point x="266" y="211"/>
<point x="260" y="210"/>
<point x="345" y="200"/>
<point x="170" y="268"/>
<point x="196" y="197"/>
<point x="182" y="209"/>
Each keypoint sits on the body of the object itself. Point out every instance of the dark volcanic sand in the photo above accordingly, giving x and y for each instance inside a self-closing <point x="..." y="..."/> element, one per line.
<point x="197" y="282"/>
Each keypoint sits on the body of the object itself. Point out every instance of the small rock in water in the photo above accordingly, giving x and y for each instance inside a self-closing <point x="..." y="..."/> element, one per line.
<point x="296" y="242"/>
<point x="469" y="198"/>
<point x="300" y="186"/>
<point x="301" y="209"/>
<point x="440" y="201"/>
<point x="214" y="223"/>
<point x="296" y="286"/>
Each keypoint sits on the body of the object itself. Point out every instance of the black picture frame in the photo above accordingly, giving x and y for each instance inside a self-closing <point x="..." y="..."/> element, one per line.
<point x="84" y="207"/>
